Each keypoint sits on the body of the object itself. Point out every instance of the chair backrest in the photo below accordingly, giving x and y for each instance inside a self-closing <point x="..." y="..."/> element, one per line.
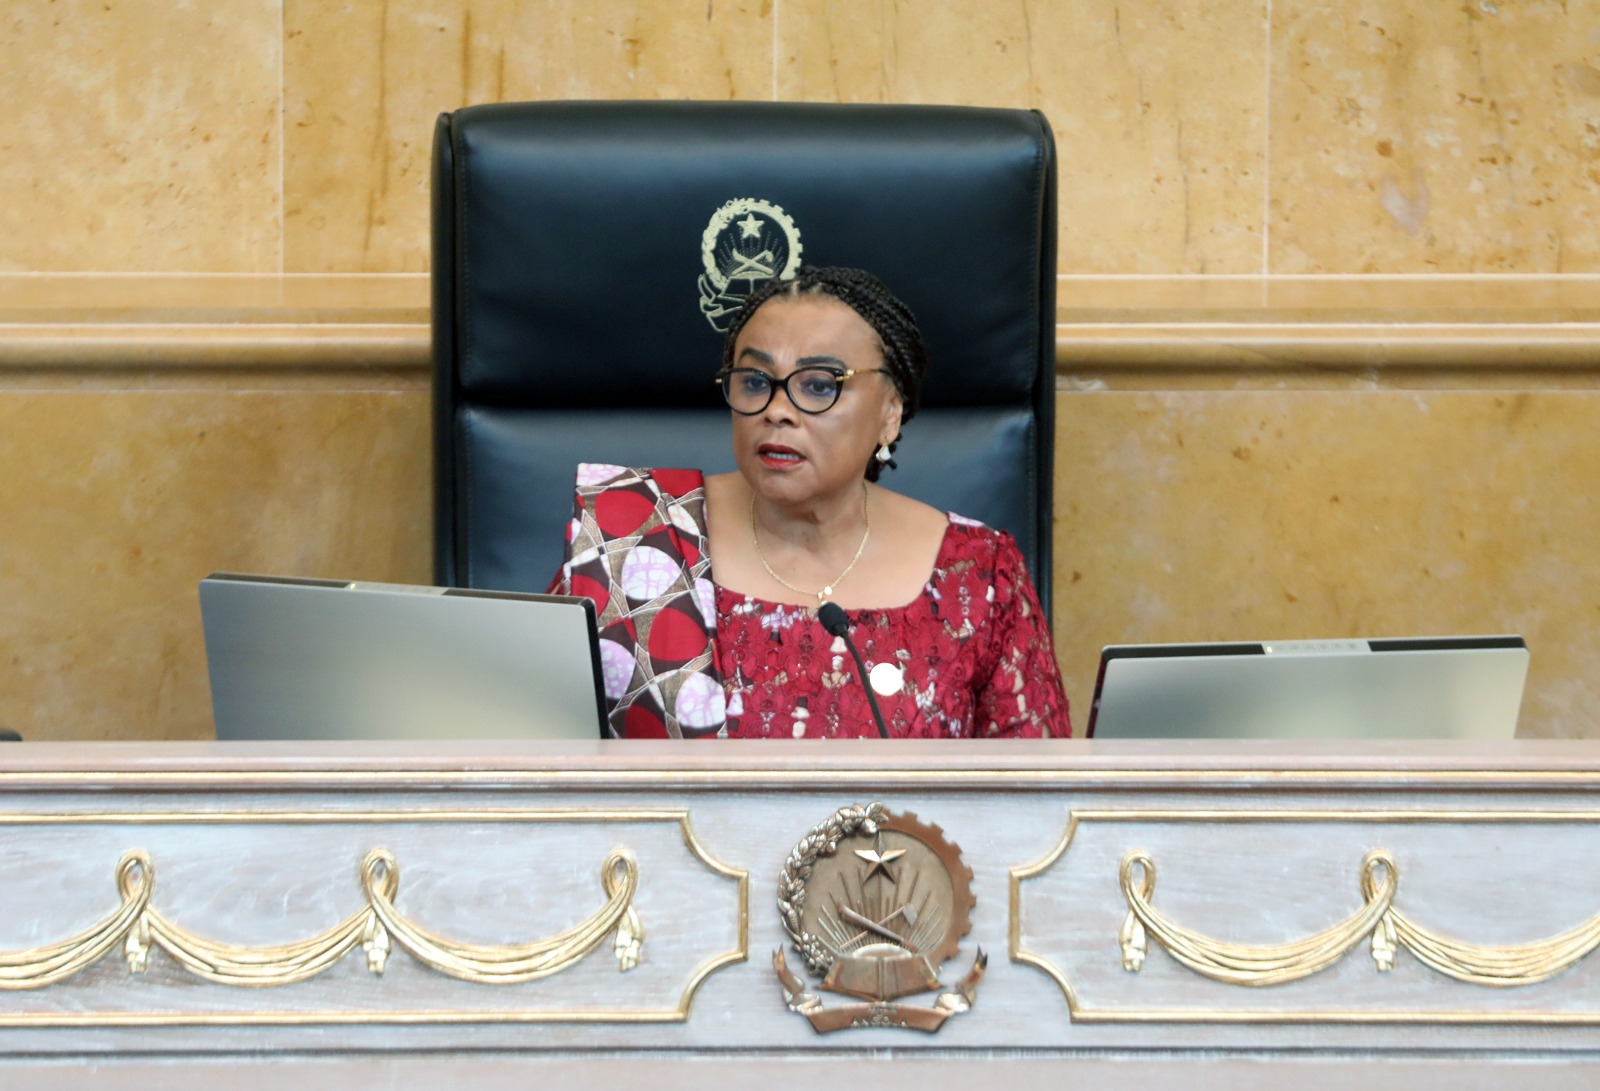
<point x="585" y="255"/>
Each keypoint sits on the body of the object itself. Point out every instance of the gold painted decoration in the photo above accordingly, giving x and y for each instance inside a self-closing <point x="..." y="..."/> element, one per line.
<point x="40" y="966"/>
<point x="1241" y="964"/>
<point x="252" y="967"/>
<point x="510" y="965"/>
<point x="376" y="928"/>
<point x="875" y="903"/>
<point x="1378" y="918"/>
<point x="1495" y="966"/>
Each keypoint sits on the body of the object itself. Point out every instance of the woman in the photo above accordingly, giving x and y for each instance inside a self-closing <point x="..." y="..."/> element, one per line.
<point x="820" y="371"/>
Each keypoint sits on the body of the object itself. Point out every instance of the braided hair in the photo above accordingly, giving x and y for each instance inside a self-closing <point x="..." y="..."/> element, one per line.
<point x="898" y="337"/>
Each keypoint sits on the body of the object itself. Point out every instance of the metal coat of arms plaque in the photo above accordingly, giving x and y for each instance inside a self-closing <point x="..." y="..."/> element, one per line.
<point x="875" y="903"/>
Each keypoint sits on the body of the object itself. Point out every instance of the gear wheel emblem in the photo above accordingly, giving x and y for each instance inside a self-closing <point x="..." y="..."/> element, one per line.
<point x="875" y="903"/>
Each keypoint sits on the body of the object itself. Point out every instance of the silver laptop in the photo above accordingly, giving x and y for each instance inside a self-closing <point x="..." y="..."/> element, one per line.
<point x="1421" y="688"/>
<point x="326" y="659"/>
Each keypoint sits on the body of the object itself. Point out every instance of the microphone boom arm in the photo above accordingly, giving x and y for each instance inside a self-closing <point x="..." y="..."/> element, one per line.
<point x="833" y="619"/>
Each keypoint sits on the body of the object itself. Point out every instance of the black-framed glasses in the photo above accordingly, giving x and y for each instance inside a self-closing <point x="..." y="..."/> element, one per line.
<point x="812" y="389"/>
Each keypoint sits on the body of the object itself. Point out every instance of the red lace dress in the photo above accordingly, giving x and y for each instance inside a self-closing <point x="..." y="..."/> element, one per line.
<point x="681" y="657"/>
<point x="973" y="653"/>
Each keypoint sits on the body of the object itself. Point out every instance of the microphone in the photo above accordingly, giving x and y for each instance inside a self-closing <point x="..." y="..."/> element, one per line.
<point x="833" y="619"/>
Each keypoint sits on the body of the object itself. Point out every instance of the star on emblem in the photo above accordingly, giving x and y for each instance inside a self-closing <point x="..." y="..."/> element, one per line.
<point x="880" y="861"/>
<point x="751" y="226"/>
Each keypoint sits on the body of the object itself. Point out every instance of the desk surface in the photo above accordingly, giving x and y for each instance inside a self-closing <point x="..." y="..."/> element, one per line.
<point x="1007" y="765"/>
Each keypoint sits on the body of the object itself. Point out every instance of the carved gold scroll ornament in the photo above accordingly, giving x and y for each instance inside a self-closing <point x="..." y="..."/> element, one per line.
<point x="1388" y="928"/>
<point x="377" y="927"/>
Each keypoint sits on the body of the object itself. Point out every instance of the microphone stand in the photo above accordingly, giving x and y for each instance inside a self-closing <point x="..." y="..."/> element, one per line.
<point x="833" y="619"/>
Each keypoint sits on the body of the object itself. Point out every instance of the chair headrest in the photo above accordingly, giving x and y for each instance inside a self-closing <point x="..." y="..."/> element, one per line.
<point x="608" y="236"/>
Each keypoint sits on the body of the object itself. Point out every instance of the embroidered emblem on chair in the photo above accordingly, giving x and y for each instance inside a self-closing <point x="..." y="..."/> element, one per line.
<point x="747" y="241"/>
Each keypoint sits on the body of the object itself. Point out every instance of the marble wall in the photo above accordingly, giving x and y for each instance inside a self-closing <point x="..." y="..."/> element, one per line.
<point x="117" y="502"/>
<point x="1197" y="136"/>
<point x="1220" y="514"/>
<point x="141" y="137"/>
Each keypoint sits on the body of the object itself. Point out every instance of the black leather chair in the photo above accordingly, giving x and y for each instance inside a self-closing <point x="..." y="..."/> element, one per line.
<point x="585" y="254"/>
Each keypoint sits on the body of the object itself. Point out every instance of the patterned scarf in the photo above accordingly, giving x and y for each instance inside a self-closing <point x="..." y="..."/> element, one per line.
<point x="637" y="547"/>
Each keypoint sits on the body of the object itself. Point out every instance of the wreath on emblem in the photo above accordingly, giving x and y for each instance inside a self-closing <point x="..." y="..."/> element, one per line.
<point x="747" y="241"/>
<point x="823" y="840"/>
<point x="875" y="902"/>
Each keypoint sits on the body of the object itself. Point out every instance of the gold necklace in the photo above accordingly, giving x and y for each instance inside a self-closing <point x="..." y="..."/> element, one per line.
<point x="826" y="592"/>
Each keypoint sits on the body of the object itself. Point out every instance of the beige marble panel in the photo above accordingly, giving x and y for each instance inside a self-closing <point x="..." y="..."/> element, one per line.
<point x="139" y="136"/>
<point x="364" y="84"/>
<point x="1216" y="515"/>
<point x="1158" y="107"/>
<point x="1445" y="137"/>
<point x="116" y="504"/>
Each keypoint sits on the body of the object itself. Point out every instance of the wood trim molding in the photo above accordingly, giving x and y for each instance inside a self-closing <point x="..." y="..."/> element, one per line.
<point x="1111" y="329"/>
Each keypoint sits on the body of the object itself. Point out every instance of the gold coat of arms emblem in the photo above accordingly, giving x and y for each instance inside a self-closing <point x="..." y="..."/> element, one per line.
<point x="875" y="903"/>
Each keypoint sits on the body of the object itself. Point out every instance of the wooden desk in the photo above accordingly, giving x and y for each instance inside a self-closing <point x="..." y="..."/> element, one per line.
<point x="263" y="846"/>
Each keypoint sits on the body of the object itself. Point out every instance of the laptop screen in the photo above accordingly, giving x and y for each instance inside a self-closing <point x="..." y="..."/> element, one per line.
<point x="1415" y="688"/>
<point x="327" y="659"/>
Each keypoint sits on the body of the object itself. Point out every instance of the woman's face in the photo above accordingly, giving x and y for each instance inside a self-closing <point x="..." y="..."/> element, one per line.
<point x="792" y="457"/>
